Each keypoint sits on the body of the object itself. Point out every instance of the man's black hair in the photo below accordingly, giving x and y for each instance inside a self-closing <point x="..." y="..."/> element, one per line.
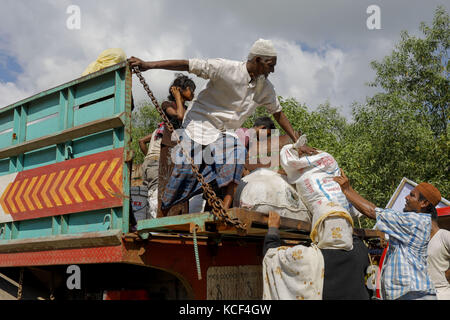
<point x="182" y="82"/>
<point x="430" y="208"/>
<point x="266" y="122"/>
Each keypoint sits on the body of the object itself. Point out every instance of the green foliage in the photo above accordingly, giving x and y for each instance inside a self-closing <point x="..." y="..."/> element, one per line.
<point x="324" y="127"/>
<point x="387" y="142"/>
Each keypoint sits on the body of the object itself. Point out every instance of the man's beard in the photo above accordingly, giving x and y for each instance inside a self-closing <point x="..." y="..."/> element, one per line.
<point x="409" y="210"/>
<point x="260" y="84"/>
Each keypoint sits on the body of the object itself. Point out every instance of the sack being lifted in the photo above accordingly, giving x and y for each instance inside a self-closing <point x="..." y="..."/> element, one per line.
<point x="107" y="58"/>
<point x="264" y="190"/>
<point x="332" y="222"/>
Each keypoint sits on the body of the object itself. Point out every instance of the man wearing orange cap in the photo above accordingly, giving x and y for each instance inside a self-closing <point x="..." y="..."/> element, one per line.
<point x="404" y="275"/>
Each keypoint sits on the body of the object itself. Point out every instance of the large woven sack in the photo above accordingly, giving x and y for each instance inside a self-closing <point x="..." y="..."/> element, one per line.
<point x="313" y="178"/>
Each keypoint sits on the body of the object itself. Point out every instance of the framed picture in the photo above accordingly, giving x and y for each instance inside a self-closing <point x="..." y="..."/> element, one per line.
<point x="397" y="201"/>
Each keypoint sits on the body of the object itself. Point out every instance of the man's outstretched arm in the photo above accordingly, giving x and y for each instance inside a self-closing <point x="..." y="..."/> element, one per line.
<point x="174" y="65"/>
<point x="272" y="238"/>
<point x="143" y="143"/>
<point x="364" y="206"/>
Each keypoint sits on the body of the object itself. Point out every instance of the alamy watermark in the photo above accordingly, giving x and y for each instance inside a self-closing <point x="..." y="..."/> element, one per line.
<point x="74" y="280"/>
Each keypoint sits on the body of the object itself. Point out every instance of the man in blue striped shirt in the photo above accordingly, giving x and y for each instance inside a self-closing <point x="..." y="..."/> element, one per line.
<point x="404" y="276"/>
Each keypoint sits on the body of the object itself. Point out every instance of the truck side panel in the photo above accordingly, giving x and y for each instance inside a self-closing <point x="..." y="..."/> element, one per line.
<point x="64" y="161"/>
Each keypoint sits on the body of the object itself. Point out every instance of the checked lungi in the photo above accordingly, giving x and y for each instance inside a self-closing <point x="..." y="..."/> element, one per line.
<point x="221" y="161"/>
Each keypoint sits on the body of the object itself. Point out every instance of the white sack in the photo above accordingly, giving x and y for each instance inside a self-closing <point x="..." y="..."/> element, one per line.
<point x="293" y="273"/>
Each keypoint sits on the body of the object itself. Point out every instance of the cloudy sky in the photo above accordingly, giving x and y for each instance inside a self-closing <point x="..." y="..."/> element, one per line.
<point x="324" y="47"/>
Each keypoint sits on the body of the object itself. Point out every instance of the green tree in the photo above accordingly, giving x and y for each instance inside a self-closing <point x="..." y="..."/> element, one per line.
<point x="403" y="130"/>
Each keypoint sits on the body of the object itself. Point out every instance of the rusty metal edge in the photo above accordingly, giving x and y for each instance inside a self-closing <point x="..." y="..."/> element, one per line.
<point x="289" y="227"/>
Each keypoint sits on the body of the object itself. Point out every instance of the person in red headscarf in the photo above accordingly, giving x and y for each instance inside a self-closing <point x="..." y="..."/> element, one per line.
<point x="404" y="275"/>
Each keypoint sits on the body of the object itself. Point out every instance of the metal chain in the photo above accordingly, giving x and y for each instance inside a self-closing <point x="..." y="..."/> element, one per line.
<point x="216" y="203"/>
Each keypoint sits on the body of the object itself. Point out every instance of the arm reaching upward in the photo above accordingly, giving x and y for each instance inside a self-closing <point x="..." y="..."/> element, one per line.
<point x="179" y="111"/>
<point x="272" y="238"/>
<point x="143" y="143"/>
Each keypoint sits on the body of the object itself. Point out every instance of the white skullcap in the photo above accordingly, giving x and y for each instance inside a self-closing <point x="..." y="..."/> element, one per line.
<point x="262" y="47"/>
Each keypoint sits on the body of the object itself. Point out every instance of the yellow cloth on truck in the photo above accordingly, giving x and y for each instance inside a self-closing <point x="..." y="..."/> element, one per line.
<point x="293" y="273"/>
<point x="107" y="58"/>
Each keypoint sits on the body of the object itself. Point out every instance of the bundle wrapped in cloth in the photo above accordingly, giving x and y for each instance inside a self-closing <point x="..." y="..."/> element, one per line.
<point x="107" y="58"/>
<point x="293" y="273"/>
<point x="332" y="222"/>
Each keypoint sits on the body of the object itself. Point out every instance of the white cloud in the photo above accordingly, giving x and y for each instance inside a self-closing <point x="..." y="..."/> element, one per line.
<point x="311" y="77"/>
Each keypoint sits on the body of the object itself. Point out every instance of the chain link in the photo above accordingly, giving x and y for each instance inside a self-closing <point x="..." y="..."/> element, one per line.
<point x="216" y="203"/>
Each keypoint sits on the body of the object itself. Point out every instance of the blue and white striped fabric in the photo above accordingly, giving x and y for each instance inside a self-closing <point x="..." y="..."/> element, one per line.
<point x="405" y="269"/>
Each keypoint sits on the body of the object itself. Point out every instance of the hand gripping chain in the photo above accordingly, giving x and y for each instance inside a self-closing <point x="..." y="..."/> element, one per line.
<point x="216" y="203"/>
